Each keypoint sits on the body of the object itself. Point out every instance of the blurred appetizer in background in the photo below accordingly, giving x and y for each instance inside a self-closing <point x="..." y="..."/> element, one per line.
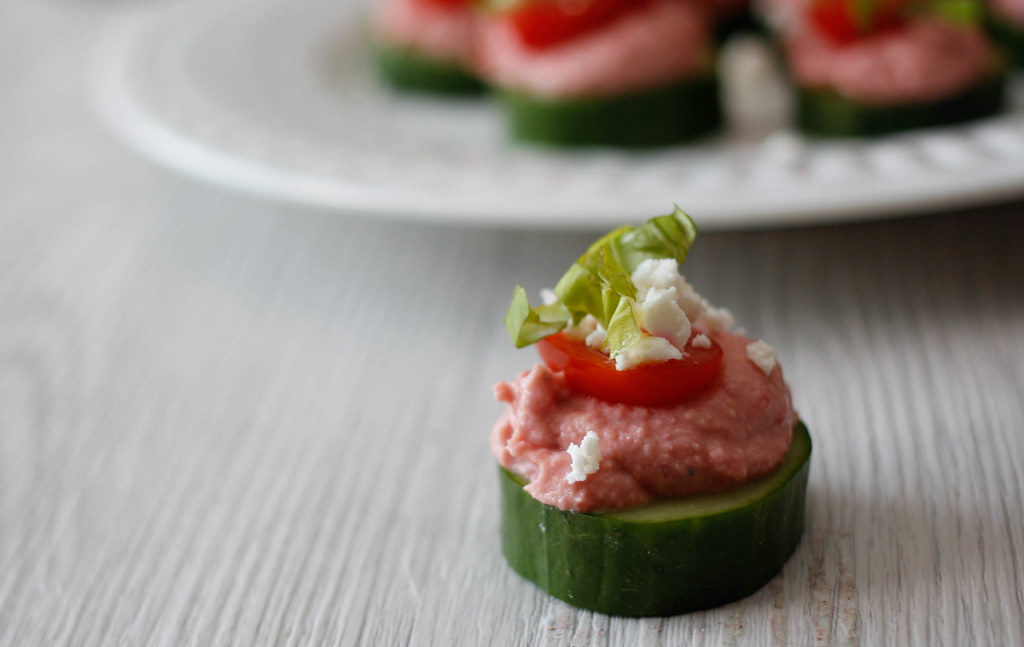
<point x="1006" y="23"/>
<point x="602" y="72"/>
<point x="868" y="67"/>
<point x="426" y="45"/>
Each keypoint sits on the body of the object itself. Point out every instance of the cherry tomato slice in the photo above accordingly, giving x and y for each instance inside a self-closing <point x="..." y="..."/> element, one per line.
<point x="838" y="22"/>
<point x="834" y="19"/>
<point x="547" y="23"/>
<point x="593" y="373"/>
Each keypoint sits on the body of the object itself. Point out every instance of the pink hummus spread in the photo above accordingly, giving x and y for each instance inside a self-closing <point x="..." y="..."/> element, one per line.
<point x="737" y="429"/>
<point x="440" y="32"/>
<point x="927" y="61"/>
<point x="662" y="43"/>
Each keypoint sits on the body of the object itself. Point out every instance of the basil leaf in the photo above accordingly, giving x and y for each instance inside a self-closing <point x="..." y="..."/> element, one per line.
<point x="600" y="284"/>
<point x="579" y="290"/>
<point x="668" y="236"/>
<point x="623" y="329"/>
<point x="863" y="13"/>
<point x="958" y="12"/>
<point x="528" y="325"/>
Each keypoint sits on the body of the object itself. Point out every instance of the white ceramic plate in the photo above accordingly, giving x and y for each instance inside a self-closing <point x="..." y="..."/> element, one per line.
<point x="279" y="97"/>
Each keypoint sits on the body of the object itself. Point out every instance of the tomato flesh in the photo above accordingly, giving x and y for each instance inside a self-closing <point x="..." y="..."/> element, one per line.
<point x="591" y="372"/>
<point x="548" y="23"/>
<point x="837" y="21"/>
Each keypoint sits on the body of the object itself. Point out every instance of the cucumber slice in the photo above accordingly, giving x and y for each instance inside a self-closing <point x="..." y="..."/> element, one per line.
<point x="826" y="113"/>
<point x="1009" y="37"/>
<point x="655" y="117"/>
<point x="407" y="69"/>
<point x="668" y="557"/>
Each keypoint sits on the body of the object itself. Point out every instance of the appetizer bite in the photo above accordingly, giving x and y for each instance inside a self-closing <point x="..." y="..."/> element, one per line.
<point x="652" y="463"/>
<point x="602" y="72"/>
<point x="426" y="45"/>
<point x="867" y="67"/>
<point x="1006" y="24"/>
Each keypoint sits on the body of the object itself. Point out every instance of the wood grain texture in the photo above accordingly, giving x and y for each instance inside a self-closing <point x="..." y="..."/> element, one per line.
<point x="230" y="422"/>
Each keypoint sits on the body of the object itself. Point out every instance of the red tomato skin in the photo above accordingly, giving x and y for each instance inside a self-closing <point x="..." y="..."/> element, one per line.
<point x="591" y="372"/>
<point x="836" y="20"/>
<point x="545" y="24"/>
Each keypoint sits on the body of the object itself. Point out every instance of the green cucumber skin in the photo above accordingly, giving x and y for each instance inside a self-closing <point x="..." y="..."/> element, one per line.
<point x="828" y="114"/>
<point x="406" y="69"/>
<point x="654" y="569"/>
<point x="1009" y="37"/>
<point x="658" y="117"/>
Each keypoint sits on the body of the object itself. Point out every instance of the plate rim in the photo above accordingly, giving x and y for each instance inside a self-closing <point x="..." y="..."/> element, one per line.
<point x="126" y="117"/>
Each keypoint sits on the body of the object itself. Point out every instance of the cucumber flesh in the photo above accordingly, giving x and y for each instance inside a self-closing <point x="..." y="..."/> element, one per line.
<point x="829" y="114"/>
<point x="668" y="557"/>
<point x="407" y="69"/>
<point x="656" y="117"/>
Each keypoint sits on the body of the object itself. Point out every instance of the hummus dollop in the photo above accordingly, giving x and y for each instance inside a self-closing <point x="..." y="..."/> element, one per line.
<point x="928" y="60"/>
<point x="440" y="32"/>
<point x="736" y="430"/>
<point x="664" y="42"/>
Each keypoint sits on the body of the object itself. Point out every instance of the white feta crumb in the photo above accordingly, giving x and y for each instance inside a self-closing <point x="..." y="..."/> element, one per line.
<point x="690" y="302"/>
<point x="655" y="274"/>
<point x="661" y="316"/>
<point x="582" y="330"/>
<point x="586" y="458"/>
<point x="548" y="297"/>
<point x="595" y="339"/>
<point x="762" y="355"/>
<point x="663" y="274"/>
<point x="701" y="341"/>
<point x="717" y="319"/>
<point x="649" y="350"/>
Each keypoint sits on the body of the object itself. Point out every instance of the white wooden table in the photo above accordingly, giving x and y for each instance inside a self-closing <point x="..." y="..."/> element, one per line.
<point x="230" y="422"/>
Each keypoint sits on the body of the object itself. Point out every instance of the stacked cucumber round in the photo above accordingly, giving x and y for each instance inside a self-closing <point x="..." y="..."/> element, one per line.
<point x="667" y="115"/>
<point x="671" y="556"/>
<point x="404" y="68"/>
<point x="828" y="114"/>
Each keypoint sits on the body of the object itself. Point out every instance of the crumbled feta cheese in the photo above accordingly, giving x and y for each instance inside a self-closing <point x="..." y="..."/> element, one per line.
<point x="582" y="330"/>
<point x="717" y="319"/>
<point x="649" y="350"/>
<point x="548" y="297"/>
<point x="762" y="355"/>
<point x="663" y="274"/>
<point x="596" y="338"/>
<point x="690" y="302"/>
<point x="655" y="274"/>
<point x="586" y="458"/>
<point x="661" y="316"/>
<point x="701" y="341"/>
